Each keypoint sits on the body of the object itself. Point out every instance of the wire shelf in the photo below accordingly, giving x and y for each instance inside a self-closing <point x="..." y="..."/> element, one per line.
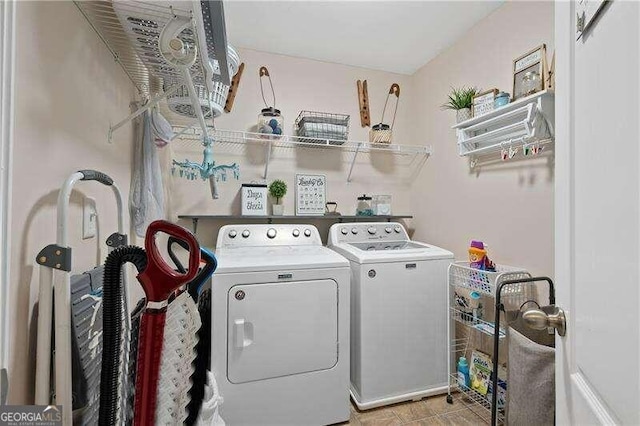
<point x="233" y="137"/>
<point x="135" y="45"/>
<point x="104" y="21"/>
<point x="482" y="326"/>
<point x="477" y="398"/>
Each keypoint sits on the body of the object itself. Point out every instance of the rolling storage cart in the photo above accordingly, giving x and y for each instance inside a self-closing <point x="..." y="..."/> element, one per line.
<point x="463" y="278"/>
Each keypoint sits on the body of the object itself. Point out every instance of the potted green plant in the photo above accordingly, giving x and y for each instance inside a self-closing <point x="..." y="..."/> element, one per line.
<point x="278" y="189"/>
<point x="461" y="101"/>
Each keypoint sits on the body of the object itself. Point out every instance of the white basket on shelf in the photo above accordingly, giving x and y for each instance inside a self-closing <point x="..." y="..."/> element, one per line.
<point x="180" y="102"/>
<point x="462" y="275"/>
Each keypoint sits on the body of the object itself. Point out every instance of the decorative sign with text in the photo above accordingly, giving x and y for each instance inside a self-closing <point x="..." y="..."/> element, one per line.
<point x="311" y="194"/>
<point x="254" y="199"/>
<point x="484" y="102"/>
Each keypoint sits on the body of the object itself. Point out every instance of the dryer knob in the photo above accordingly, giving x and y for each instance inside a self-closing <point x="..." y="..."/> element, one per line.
<point x="246" y="233"/>
<point x="372" y="230"/>
<point x="232" y="233"/>
<point x="271" y="233"/>
<point x="307" y="232"/>
<point x="344" y="231"/>
<point x="387" y="230"/>
<point x="296" y="233"/>
<point x="354" y="231"/>
<point x="397" y="229"/>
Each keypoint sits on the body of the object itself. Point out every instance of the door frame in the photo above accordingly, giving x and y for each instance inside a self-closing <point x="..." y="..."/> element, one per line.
<point x="7" y="98"/>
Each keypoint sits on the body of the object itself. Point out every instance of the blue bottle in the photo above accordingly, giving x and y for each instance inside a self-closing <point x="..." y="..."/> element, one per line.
<point x="463" y="373"/>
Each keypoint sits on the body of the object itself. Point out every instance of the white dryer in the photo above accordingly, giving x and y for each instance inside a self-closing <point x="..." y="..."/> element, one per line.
<point x="280" y="327"/>
<point x="398" y="313"/>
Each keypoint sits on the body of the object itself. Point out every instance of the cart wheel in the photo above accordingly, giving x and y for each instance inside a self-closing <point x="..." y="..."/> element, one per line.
<point x="449" y="399"/>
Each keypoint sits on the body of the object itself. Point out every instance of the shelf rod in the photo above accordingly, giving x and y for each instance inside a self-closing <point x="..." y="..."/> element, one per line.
<point x="353" y="161"/>
<point x="268" y="159"/>
<point x="150" y="104"/>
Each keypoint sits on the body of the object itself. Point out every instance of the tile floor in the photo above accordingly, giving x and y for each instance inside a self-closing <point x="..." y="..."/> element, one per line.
<point x="432" y="411"/>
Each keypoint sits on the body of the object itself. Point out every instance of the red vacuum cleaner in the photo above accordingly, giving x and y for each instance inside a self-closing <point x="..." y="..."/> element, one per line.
<point x="160" y="283"/>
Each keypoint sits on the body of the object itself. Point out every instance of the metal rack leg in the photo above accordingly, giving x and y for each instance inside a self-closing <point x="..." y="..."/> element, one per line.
<point x="194" y="221"/>
<point x="267" y="160"/>
<point x="494" y="374"/>
<point x="451" y="355"/>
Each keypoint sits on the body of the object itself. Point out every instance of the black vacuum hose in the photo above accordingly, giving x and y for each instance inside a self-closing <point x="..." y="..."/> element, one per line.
<point x="112" y="328"/>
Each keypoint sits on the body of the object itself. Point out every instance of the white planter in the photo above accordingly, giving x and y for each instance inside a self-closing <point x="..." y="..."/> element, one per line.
<point x="463" y="114"/>
<point x="278" y="209"/>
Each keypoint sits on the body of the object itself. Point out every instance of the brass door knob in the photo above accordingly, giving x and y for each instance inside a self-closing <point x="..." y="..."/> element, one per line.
<point x="539" y="320"/>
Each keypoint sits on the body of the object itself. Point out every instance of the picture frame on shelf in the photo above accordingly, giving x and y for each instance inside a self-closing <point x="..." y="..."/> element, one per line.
<point x="311" y="194"/>
<point x="530" y="72"/>
<point x="483" y="102"/>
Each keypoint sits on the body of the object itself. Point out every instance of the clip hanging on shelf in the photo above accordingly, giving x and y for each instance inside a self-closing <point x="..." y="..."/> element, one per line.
<point x="270" y="121"/>
<point x="381" y="132"/>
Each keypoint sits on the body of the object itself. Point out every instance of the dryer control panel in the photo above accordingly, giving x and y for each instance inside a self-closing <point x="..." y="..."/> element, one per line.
<point x="366" y="231"/>
<point x="268" y="235"/>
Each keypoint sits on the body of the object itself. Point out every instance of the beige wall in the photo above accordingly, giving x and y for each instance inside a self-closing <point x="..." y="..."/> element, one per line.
<point x="302" y="84"/>
<point x="509" y="206"/>
<point x="68" y="90"/>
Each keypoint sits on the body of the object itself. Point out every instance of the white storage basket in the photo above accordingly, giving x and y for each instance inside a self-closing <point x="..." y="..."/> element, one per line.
<point x="462" y="275"/>
<point x="180" y="102"/>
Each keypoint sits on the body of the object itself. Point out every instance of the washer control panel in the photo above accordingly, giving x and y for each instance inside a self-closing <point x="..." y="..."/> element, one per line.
<point x="268" y="235"/>
<point x="367" y="231"/>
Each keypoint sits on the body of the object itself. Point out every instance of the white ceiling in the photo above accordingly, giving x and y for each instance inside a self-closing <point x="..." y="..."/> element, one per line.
<point x="395" y="36"/>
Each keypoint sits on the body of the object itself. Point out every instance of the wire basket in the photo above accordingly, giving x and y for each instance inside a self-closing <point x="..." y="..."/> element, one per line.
<point x="462" y="275"/>
<point x="320" y="127"/>
<point x="180" y="102"/>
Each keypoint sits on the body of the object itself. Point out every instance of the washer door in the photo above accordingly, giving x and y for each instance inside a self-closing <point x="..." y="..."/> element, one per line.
<point x="280" y="329"/>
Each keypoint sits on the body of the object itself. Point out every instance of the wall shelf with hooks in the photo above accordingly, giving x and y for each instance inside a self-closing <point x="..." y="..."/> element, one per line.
<point x="524" y="123"/>
<point x="420" y="153"/>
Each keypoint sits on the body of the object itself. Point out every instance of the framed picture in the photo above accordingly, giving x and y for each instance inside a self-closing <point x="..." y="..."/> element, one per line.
<point x="311" y="194"/>
<point x="530" y="72"/>
<point x="483" y="102"/>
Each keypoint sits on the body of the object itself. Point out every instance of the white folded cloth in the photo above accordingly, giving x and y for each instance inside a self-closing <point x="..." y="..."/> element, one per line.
<point x="210" y="410"/>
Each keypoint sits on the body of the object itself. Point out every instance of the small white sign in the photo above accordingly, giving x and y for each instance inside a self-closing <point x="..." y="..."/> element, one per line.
<point x="254" y="199"/>
<point x="311" y="193"/>
<point x="484" y="102"/>
<point x="527" y="61"/>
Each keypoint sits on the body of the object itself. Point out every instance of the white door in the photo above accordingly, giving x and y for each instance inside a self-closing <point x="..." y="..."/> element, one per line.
<point x="598" y="215"/>
<point x="280" y="329"/>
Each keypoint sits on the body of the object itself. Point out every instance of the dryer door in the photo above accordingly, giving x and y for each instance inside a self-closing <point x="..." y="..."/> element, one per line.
<point x="280" y="329"/>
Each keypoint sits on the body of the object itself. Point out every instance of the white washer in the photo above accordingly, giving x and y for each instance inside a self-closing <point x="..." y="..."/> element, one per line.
<point x="398" y="313"/>
<point x="280" y="327"/>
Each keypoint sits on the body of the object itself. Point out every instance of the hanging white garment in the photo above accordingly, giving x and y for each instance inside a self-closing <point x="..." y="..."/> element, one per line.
<point x="162" y="130"/>
<point x="146" y="200"/>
